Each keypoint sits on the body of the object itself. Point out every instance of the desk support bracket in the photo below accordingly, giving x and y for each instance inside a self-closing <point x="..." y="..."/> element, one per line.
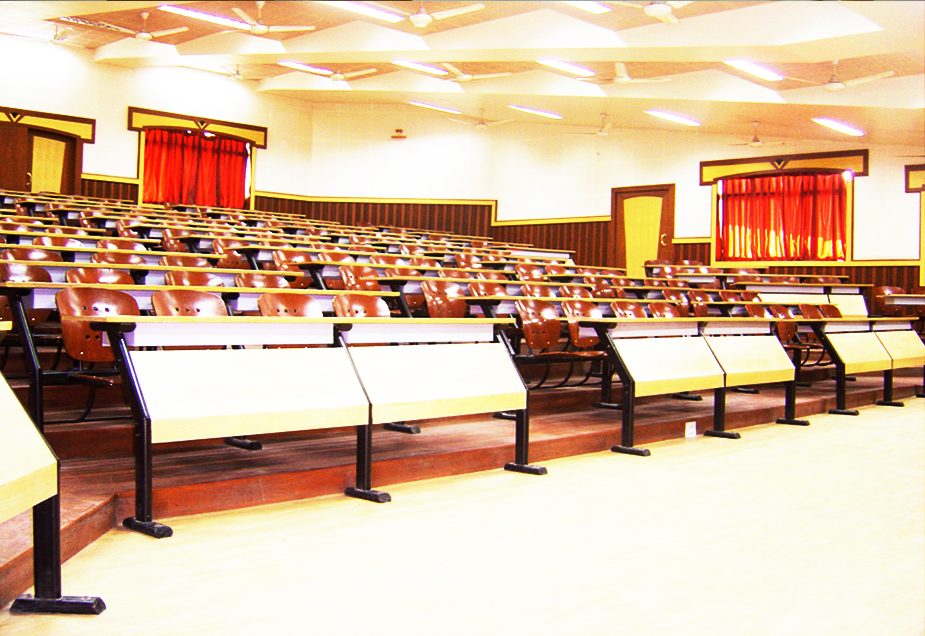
<point x="521" y="463"/>
<point x="790" y="405"/>
<point x="719" y="416"/>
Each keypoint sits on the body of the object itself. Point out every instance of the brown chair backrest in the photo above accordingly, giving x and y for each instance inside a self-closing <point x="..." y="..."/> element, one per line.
<point x="359" y="278"/>
<point x="59" y="240"/>
<point x="580" y="308"/>
<point x="423" y="261"/>
<point x="21" y="273"/>
<point x="118" y="258"/>
<point x="699" y="296"/>
<point x="81" y="342"/>
<point x="98" y="276"/>
<point x="468" y="261"/>
<point x="30" y="254"/>
<point x="230" y="257"/>
<point x="184" y="260"/>
<point x="758" y="311"/>
<point x="357" y="306"/>
<point x="786" y="327"/>
<point x="811" y="312"/>
<point x="533" y="290"/>
<point x="830" y="311"/>
<point x="688" y="263"/>
<point x="486" y="288"/>
<point x="397" y="270"/>
<point x="529" y="272"/>
<point x="880" y="306"/>
<point x="120" y="244"/>
<point x="574" y="291"/>
<point x="411" y="250"/>
<point x="284" y="257"/>
<point x="728" y="296"/>
<point x="282" y="304"/>
<point x="662" y="309"/>
<point x="189" y="278"/>
<point x="259" y="279"/>
<point x="555" y="269"/>
<point x="540" y="322"/>
<point x="444" y="298"/>
<point x="64" y="229"/>
<point x="628" y="309"/>
<point x="824" y="280"/>
<point x="187" y="302"/>
<point x="492" y="274"/>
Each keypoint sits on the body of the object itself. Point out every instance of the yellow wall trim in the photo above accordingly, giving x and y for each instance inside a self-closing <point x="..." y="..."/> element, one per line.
<point x="80" y="127"/>
<point x="141" y="118"/>
<point x="103" y="177"/>
<point x="300" y="197"/>
<point x="572" y="219"/>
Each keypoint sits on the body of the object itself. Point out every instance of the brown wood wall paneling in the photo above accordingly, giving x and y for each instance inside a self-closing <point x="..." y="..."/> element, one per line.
<point x="109" y="190"/>
<point x="693" y="252"/>
<point x="457" y="218"/>
<point x="588" y="241"/>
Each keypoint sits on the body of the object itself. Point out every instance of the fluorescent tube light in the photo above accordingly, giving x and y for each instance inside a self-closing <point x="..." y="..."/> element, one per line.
<point x="591" y="7"/>
<point x="673" y="118"/>
<point x="442" y="109"/>
<point x="574" y="69"/>
<point x="206" y="17"/>
<point x="366" y="10"/>
<point x="753" y="69"/>
<point x="838" y="126"/>
<point x="305" y="67"/>
<point x="533" y="111"/>
<point x="424" y="68"/>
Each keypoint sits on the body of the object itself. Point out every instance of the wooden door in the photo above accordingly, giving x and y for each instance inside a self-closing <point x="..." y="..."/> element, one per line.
<point x="36" y="160"/>
<point x="16" y="159"/>
<point x="644" y="226"/>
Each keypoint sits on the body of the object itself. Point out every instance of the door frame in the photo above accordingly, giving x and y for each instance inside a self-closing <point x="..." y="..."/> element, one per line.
<point x="617" y="240"/>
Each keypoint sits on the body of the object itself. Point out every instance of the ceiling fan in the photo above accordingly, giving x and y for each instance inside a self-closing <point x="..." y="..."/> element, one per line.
<point x="334" y="76"/>
<point x="482" y="123"/>
<point x="144" y="35"/>
<point x="461" y="77"/>
<point x="602" y="131"/>
<point x="659" y="10"/>
<point x="254" y="27"/>
<point x="422" y="18"/>
<point x="756" y="142"/>
<point x="836" y="84"/>
<point x="621" y="76"/>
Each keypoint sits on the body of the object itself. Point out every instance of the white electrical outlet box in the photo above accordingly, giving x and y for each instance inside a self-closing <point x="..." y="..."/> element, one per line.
<point x="690" y="429"/>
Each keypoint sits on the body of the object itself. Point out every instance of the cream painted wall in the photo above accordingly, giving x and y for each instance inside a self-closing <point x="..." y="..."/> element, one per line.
<point x="534" y="171"/>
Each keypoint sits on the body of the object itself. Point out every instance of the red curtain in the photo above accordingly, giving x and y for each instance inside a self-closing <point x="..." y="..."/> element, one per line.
<point x="192" y="169"/>
<point x="794" y="217"/>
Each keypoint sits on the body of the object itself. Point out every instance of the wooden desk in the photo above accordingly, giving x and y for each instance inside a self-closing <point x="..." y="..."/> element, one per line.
<point x="29" y="479"/>
<point x="180" y="395"/>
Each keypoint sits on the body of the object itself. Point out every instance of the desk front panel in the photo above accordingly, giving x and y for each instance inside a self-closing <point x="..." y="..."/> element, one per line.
<point x="424" y="381"/>
<point x="670" y="365"/>
<point x="28" y="468"/>
<point x="793" y="299"/>
<point x="850" y="305"/>
<point x="751" y="359"/>
<point x="861" y="351"/>
<point x="905" y="347"/>
<point x="203" y="394"/>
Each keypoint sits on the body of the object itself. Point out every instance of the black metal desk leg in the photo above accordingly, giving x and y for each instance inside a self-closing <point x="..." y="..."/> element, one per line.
<point x="626" y="429"/>
<point x="719" y="416"/>
<point x="521" y="463"/>
<point x="888" y="390"/>
<point x="363" y="488"/>
<point x="790" y="405"/>
<point x="841" y="397"/>
<point x="921" y="393"/>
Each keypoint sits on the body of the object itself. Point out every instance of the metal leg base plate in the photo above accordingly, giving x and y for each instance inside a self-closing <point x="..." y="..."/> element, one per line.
<point x="692" y="397"/>
<point x="375" y="496"/>
<point x="150" y="528"/>
<point x="504" y="415"/>
<point x="784" y="420"/>
<point x="889" y="403"/>
<point x="243" y="442"/>
<point x="525" y="468"/>
<point x="631" y="450"/>
<point x="843" y="412"/>
<point x="745" y="389"/>
<point x="28" y="604"/>
<point x="607" y="405"/>
<point x="724" y="434"/>
<point x="398" y="427"/>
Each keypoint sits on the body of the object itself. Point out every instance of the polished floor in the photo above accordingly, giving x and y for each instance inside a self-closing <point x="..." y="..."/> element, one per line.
<point x="796" y="531"/>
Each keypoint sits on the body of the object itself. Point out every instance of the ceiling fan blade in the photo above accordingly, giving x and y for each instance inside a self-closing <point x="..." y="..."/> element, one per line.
<point x="490" y="75"/>
<point x="667" y="18"/>
<point x="353" y="74"/>
<point x="635" y="5"/>
<point x="461" y="121"/>
<point x="285" y="29"/>
<point x="452" y="69"/>
<point x="492" y="124"/>
<point x="677" y="4"/>
<point x="452" y="13"/>
<point x="165" y="32"/>
<point x="113" y="27"/>
<point x="244" y="16"/>
<point x="869" y="78"/>
<point x="620" y="69"/>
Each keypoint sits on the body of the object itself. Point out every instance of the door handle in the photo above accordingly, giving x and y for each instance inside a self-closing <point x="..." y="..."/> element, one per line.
<point x="661" y="240"/>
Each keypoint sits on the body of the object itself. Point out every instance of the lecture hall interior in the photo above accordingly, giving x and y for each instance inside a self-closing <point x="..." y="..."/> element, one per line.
<point x="458" y="317"/>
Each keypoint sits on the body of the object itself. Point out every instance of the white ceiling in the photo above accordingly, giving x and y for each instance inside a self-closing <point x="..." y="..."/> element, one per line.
<point x="797" y="39"/>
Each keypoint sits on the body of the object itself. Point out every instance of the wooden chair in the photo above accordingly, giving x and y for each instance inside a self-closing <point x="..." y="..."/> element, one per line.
<point x="698" y="302"/>
<point x="532" y="290"/>
<point x="84" y="345"/>
<point x="357" y="306"/>
<point x="288" y="305"/>
<point x="824" y="280"/>
<point x="183" y="261"/>
<point x="42" y="335"/>
<point x="444" y="298"/>
<point x="58" y="240"/>
<point x="30" y="254"/>
<point x="190" y="278"/>
<point x="98" y="276"/>
<point x="260" y="280"/>
<point x="804" y="352"/>
<point x="67" y="230"/>
<point x="880" y="306"/>
<point x="529" y="272"/>
<point x="465" y="260"/>
<point x="678" y="299"/>
<point x="628" y="309"/>
<point x="230" y="257"/>
<point x="120" y="244"/>
<point x="423" y="261"/>
<point x="493" y="275"/>
<point x="173" y="239"/>
<point x="601" y="288"/>
<point x="360" y="278"/>
<point x="662" y="309"/>
<point x="398" y="271"/>
<point x="575" y="291"/>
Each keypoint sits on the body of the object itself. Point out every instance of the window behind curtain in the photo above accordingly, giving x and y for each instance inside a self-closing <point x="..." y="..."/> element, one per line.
<point x="193" y="169"/>
<point x="787" y="217"/>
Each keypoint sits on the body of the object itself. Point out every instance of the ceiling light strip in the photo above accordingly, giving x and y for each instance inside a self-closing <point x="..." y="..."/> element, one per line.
<point x="534" y="111"/>
<point x="574" y="69"/>
<point x="206" y="17"/>
<point x="442" y="109"/>
<point x="423" y="68"/>
<point x="684" y="121"/>
<point x="366" y="10"/>
<point x="305" y="67"/>
<point x="753" y="69"/>
<point x="838" y="126"/>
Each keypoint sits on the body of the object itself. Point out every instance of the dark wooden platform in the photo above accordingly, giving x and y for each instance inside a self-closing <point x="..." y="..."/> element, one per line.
<point x="97" y="474"/>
